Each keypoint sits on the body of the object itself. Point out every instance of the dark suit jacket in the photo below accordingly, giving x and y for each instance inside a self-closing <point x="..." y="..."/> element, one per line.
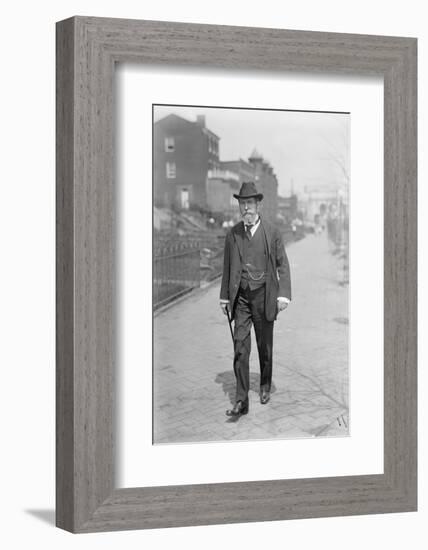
<point x="278" y="282"/>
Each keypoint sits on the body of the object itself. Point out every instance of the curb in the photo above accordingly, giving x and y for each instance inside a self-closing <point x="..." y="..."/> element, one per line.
<point x="193" y="293"/>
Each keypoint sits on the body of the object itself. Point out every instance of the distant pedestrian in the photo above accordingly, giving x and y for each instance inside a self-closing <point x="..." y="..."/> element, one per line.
<point x="255" y="287"/>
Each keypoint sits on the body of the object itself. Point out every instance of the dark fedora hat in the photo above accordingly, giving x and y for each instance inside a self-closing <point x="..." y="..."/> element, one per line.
<point x="248" y="190"/>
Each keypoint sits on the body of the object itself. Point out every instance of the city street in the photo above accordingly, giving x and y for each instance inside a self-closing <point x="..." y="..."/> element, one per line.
<point x="194" y="381"/>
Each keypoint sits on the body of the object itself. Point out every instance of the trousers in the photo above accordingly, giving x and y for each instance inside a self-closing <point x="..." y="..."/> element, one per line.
<point x="250" y="310"/>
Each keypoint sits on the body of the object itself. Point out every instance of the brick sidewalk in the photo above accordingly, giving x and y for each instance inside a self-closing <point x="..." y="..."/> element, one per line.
<point x="193" y="375"/>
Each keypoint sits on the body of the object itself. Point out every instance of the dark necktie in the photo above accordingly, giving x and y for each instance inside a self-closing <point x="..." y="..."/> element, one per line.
<point x="248" y="228"/>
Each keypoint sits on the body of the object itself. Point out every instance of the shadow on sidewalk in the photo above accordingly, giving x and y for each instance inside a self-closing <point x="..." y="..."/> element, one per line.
<point x="227" y="380"/>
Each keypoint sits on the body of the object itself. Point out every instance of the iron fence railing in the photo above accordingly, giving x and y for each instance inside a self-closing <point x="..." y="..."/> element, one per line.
<point x="176" y="270"/>
<point x="195" y="239"/>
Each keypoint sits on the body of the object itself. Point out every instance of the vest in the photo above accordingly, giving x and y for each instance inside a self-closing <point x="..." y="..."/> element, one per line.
<point x="254" y="260"/>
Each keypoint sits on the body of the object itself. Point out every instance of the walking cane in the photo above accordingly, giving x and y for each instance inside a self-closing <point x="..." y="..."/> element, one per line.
<point x="230" y="322"/>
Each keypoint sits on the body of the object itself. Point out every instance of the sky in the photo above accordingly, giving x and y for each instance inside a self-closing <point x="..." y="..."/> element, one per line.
<point x="305" y="149"/>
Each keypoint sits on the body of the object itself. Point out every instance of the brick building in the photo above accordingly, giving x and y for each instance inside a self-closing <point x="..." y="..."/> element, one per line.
<point x="185" y="155"/>
<point x="243" y="168"/>
<point x="267" y="183"/>
<point x="221" y="186"/>
<point x="188" y="172"/>
<point x="261" y="172"/>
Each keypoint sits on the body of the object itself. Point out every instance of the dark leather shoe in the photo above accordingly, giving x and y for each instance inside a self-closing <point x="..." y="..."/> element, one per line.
<point x="264" y="397"/>
<point x="239" y="408"/>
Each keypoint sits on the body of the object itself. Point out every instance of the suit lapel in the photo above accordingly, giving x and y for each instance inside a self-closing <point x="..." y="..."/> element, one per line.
<point x="239" y="235"/>
<point x="268" y="235"/>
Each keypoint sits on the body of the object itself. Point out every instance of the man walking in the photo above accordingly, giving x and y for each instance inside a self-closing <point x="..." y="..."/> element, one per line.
<point x="255" y="287"/>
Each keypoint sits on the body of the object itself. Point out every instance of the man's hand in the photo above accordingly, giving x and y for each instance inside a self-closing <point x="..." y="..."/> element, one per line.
<point x="224" y="307"/>
<point x="281" y="304"/>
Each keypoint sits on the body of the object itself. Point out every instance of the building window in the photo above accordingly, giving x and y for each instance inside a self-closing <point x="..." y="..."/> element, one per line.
<point x="169" y="144"/>
<point x="170" y="170"/>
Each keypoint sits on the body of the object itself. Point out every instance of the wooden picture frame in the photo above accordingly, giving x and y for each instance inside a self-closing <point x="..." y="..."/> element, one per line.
<point x="87" y="50"/>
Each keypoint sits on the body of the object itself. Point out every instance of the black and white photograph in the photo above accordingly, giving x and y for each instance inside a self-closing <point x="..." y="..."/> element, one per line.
<point x="250" y="274"/>
<point x="210" y="284"/>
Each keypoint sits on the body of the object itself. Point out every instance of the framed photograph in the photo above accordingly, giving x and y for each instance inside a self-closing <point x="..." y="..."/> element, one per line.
<point x="305" y="188"/>
<point x="216" y="187"/>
